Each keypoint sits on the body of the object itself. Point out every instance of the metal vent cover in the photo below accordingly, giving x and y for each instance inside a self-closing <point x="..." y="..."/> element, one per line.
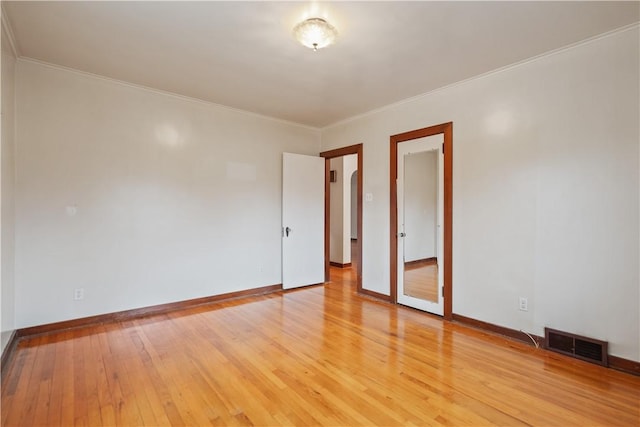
<point x="583" y="348"/>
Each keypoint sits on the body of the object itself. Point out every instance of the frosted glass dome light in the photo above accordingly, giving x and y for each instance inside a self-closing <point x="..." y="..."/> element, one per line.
<point x="315" y="33"/>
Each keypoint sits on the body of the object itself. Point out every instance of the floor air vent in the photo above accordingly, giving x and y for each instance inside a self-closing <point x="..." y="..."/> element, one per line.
<point x="579" y="347"/>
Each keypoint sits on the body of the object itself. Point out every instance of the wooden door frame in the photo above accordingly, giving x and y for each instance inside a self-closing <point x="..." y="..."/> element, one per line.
<point x="328" y="155"/>
<point x="447" y="130"/>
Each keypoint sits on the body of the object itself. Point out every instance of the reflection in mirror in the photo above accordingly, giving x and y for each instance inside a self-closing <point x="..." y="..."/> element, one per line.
<point x="421" y="225"/>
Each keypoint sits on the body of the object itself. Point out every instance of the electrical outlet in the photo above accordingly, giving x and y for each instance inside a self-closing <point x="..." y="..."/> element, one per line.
<point x="523" y="304"/>
<point x="78" y="294"/>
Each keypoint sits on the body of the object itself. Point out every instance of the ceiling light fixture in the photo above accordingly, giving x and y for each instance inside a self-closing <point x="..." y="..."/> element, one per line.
<point x="315" y="33"/>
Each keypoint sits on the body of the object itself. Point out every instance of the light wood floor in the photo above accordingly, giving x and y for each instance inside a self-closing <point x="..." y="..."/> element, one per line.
<point x="421" y="280"/>
<point x="316" y="356"/>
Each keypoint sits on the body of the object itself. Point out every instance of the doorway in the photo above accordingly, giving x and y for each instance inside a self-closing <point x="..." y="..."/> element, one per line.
<point x="356" y="252"/>
<point x="340" y="207"/>
<point x="354" y="217"/>
<point x="420" y="264"/>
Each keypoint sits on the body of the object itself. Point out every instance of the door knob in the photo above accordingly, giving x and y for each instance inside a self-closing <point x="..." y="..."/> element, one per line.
<point x="287" y="231"/>
<point x="401" y="234"/>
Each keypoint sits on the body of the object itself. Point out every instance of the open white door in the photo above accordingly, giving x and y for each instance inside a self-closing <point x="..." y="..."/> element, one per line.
<point x="419" y="297"/>
<point x="302" y="220"/>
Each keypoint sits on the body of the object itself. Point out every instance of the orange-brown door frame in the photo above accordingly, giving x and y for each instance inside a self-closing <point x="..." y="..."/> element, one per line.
<point x="447" y="130"/>
<point x="328" y="155"/>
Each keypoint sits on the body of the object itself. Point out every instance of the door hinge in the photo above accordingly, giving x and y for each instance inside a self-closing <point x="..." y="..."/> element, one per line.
<point x="442" y="291"/>
<point x="443" y="148"/>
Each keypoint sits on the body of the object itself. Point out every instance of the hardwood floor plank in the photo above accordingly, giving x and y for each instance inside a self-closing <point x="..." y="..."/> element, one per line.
<point x="421" y="280"/>
<point x="26" y="414"/>
<point x="165" y="377"/>
<point x="316" y="356"/>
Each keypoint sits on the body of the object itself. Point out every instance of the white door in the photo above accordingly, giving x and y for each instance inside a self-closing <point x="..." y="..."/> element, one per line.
<point x="302" y="220"/>
<point x="434" y="303"/>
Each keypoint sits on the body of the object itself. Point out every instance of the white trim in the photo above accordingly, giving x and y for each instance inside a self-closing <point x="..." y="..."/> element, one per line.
<point x="8" y="32"/>
<point x="487" y="74"/>
<point x="163" y="92"/>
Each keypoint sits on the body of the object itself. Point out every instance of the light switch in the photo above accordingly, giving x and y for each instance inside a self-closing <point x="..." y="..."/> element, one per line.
<point x="368" y="197"/>
<point x="72" y="210"/>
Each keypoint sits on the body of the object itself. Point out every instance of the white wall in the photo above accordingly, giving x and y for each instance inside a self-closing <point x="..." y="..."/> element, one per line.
<point x="545" y="190"/>
<point x="174" y="198"/>
<point x="420" y="205"/>
<point x="7" y="307"/>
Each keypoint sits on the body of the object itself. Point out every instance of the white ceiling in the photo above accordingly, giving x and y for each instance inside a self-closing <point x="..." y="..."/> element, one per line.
<point x="242" y="54"/>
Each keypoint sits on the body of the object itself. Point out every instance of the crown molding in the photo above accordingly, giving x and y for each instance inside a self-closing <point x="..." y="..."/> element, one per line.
<point x="165" y="93"/>
<point x="553" y="52"/>
<point x="7" y="31"/>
